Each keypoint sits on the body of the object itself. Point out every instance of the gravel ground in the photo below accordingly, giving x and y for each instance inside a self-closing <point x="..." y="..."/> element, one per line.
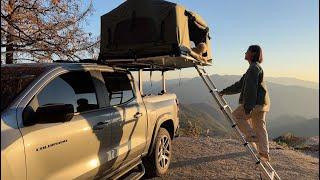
<point x="218" y="158"/>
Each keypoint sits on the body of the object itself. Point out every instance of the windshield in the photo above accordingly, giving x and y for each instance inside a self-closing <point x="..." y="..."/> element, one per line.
<point x="14" y="79"/>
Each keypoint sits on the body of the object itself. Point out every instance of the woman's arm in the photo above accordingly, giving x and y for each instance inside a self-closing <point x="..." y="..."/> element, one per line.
<point x="234" y="88"/>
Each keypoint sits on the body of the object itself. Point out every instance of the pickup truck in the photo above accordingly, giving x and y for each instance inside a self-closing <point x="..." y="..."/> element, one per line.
<point x="82" y="121"/>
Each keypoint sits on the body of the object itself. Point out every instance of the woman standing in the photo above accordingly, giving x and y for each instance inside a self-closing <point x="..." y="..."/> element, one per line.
<point x="254" y="102"/>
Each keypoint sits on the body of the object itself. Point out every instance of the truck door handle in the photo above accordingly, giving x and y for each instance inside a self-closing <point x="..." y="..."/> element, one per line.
<point x="137" y="115"/>
<point x="100" y="125"/>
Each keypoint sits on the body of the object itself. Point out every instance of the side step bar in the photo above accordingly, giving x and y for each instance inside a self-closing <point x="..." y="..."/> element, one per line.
<point x="134" y="172"/>
<point x="135" y="175"/>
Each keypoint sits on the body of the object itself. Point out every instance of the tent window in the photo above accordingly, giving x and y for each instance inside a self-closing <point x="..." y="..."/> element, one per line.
<point x="196" y="34"/>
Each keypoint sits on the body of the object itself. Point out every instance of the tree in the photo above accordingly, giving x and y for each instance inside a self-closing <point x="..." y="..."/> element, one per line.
<point x="41" y="30"/>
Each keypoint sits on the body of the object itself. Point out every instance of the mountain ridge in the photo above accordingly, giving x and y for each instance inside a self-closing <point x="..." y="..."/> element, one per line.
<point x="286" y="81"/>
<point x="286" y="102"/>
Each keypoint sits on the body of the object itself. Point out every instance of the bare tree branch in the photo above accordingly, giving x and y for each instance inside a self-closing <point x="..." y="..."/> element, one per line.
<point x="44" y="29"/>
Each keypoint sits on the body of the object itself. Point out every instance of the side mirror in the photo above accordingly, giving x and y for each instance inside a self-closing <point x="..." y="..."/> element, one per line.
<point x="54" y="113"/>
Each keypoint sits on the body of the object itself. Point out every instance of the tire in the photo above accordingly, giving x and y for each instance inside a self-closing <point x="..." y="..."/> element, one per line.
<point x="158" y="163"/>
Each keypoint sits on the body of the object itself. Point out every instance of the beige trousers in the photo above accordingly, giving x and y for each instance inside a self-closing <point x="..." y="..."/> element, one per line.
<point x="253" y="125"/>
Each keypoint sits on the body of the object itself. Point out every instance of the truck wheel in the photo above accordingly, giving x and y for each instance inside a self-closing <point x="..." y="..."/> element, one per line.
<point x="158" y="163"/>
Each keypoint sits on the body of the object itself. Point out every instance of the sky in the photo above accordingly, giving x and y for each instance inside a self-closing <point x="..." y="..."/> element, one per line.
<point x="287" y="31"/>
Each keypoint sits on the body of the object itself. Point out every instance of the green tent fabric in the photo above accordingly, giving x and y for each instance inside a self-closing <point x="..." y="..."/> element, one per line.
<point x="154" y="32"/>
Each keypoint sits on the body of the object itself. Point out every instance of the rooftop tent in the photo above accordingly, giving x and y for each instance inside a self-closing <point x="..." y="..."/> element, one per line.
<point x="156" y="32"/>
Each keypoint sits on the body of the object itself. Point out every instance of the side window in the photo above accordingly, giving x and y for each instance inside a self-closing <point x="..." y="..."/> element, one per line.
<point x="74" y="88"/>
<point x="119" y="87"/>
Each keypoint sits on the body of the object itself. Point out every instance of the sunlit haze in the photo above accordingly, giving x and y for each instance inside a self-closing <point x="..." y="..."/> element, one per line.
<point x="287" y="31"/>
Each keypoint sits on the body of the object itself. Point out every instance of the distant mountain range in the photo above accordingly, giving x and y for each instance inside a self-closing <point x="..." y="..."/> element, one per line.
<point x="285" y="100"/>
<point x="294" y="104"/>
<point x="296" y="125"/>
<point x="199" y="117"/>
<point x="208" y="117"/>
<point x="288" y="81"/>
<point x="293" y="82"/>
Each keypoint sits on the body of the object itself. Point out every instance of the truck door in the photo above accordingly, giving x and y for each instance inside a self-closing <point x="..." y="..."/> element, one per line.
<point x="129" y="133"/>
<point x="73" y="149"/>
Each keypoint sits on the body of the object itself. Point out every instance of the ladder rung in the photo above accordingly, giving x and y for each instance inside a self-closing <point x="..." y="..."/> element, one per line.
<point x="258" y="162"/>
<point x="272" y="174"/>
<point x="224" y="107"/>
<point x="213" y="90"/>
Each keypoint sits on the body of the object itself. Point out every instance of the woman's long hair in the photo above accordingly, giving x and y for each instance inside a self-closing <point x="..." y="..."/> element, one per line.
<point x="257" y="53"/>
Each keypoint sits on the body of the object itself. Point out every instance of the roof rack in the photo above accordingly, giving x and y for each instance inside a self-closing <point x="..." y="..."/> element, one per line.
<point x="79" y="61"/>
<point x="158" y="63"/>
<point x="161" y="63"/>
<point x="131" y="66"/>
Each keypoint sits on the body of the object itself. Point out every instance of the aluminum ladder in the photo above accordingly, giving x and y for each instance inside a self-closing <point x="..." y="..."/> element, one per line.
<point x="266" y="167"/>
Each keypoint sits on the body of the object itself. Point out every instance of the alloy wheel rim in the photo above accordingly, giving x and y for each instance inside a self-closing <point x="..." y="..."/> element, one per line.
<point x="164" y="152"/>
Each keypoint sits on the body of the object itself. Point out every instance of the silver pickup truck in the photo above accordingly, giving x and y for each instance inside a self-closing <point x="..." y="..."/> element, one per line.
<point x="82" y="121"/>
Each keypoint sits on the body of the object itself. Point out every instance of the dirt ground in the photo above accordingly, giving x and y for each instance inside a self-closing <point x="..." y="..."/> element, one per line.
<point x="219" y="158"/>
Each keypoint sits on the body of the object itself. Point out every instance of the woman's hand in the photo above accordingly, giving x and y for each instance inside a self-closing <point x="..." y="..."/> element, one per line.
<point x="220" y="93"/>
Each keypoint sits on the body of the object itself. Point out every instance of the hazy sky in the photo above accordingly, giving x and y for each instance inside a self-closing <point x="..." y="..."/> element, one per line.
<point x="287" y="31"/>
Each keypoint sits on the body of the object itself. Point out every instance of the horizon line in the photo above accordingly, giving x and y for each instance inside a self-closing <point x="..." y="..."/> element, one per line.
<point x="310" y="81"/>
<point x="274" y="77"/>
